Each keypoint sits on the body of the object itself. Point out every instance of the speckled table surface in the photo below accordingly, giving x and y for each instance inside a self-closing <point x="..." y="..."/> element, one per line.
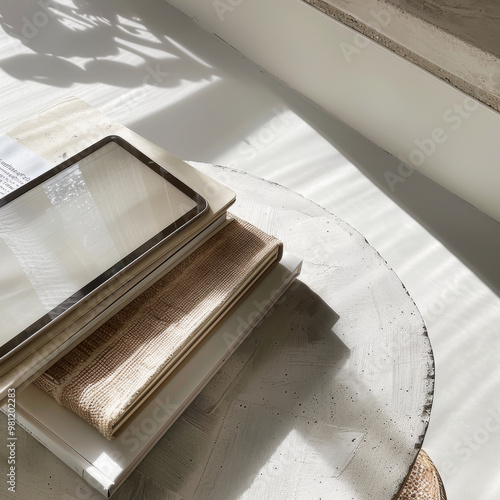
<point x="328" y="398"/>
<point x="184" y="89"/>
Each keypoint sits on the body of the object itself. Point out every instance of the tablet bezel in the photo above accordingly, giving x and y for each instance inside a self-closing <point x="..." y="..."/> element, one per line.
<point x="114" y="271"/>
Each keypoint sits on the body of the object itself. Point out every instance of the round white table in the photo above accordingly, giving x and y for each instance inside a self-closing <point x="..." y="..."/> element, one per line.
<point x="328" y="398"/>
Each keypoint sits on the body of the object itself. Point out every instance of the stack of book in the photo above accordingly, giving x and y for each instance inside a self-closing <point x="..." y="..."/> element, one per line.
<point x="125" y="284"/>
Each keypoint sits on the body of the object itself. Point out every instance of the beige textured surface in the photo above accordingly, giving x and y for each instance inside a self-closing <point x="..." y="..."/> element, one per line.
<point x="104" y="375"/>
<point x="423" y="482"/>
<point x="475" y="21"/>
<point x="455" y="42"/>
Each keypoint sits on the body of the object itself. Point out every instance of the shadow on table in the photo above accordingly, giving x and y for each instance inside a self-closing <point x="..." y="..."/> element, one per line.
<point x="277" y="418"/>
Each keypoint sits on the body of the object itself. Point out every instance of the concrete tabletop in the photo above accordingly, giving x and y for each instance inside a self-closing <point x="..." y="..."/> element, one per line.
<point x="329" y="397"/>
<point x="151" y="68"/>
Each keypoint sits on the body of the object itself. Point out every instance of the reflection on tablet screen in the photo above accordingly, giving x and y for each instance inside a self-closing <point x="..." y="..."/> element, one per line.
<point x="64" y="237"/>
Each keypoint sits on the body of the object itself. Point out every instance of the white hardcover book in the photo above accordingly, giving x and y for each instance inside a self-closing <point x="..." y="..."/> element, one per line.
<point x="78" y="236"/>
<point x="105" y="464"/>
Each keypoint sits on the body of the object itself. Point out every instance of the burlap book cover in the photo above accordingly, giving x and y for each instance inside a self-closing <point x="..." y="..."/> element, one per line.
<point x="104" y="375"/>
<point x="58" y="133"/>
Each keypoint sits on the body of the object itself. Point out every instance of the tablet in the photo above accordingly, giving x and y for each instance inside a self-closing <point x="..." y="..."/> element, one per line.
<point x="67" y="232"/>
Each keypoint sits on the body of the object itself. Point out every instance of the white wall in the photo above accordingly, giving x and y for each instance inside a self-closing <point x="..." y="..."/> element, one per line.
<point x="433" y="127"/>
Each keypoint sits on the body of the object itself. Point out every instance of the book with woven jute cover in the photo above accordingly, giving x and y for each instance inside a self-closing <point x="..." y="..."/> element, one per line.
<point x="61" y="132"/>
<point x="105" y="378"/>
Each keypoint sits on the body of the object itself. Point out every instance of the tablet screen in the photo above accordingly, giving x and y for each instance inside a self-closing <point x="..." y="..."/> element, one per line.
<point x="67" y="232"/>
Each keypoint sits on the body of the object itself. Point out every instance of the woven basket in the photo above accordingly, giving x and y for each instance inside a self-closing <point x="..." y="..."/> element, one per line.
<point x="423" y="482"/>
